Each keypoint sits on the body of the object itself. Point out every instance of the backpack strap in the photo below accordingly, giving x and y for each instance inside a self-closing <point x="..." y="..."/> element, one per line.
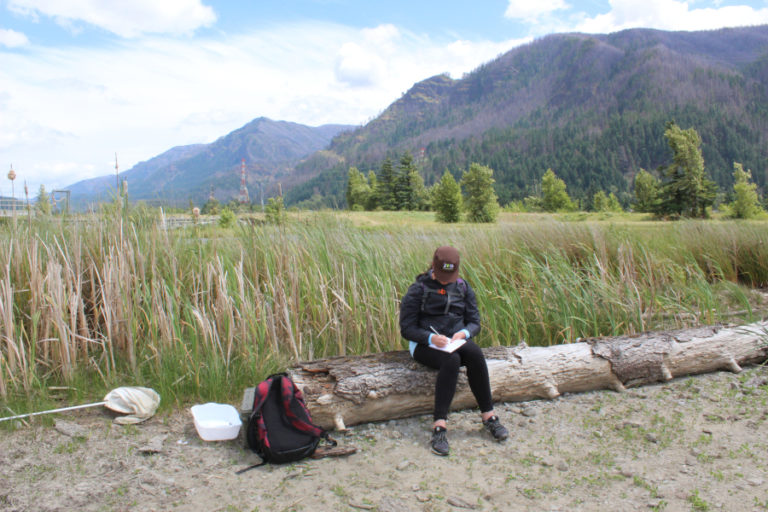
<point x="241" y="471"/>
<point x="461" y="285"/>
<point x="261" y="392"/>
<point x="288" y="392"/>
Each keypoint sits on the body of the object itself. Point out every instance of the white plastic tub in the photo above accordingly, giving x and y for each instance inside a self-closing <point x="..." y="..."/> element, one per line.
<point x="216" y="422"/>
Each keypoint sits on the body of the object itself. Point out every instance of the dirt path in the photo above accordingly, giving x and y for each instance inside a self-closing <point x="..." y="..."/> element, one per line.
<point x="691" y="444"/>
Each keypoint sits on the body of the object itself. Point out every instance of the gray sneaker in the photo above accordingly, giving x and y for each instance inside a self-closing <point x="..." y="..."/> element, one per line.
<point x="497" y="430"/>
<point x="440" y="441"/>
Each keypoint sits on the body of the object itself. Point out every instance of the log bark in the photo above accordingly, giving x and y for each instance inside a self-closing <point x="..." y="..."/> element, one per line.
<point x="342" y="391"/>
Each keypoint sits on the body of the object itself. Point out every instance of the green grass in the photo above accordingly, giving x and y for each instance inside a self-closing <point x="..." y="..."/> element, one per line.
<point x="200" y="313"/>
<point x="697" y="502"/>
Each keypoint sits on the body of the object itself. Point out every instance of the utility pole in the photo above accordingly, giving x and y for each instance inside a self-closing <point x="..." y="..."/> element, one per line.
<point x="243" y="198"/>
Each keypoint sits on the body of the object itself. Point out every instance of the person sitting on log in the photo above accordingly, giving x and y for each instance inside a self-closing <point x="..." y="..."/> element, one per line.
<point x="439" y="316"/>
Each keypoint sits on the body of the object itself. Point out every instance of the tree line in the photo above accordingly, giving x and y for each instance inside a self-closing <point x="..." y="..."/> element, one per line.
<point x="682" y="189"/>
<point x="401" y="187"/>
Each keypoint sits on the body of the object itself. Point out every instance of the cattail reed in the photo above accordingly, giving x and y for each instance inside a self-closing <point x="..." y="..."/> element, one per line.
<point x="204" y="311"/>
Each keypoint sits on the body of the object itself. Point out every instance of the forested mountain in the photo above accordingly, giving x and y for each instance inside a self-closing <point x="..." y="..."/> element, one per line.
<point x="591" y="107"/>
<point x="271" y="150"/>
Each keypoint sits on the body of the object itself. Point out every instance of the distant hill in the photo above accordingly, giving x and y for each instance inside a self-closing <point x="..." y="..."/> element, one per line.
<point x="591" y="107"/>
<point x="271" y="150"/>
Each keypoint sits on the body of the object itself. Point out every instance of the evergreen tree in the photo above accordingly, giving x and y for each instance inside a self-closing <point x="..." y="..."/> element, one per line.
<point x="599" y="202"/>
<point x="554" y="196"/>
<point x="402" y="189"/>
<point x="686" y="191"/>
<point x="587" y="204"/>
<point x="614" y="205"/>
<point x="358" y="191"/>
<point x="373" y="200"/>
<point x="43" y="203"/>
<point x="418" y="199"/>
<point x="446" y="200"/>
<point x="211" y="207"/>
<point x="746" y="204"/>
<point x="480" y="200"/>
<point x="275" y="210"/>
<point x="646" y="191"/>
<point x="385" y="186"/>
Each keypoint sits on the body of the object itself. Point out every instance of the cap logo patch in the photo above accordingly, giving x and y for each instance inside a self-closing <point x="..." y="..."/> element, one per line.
<point x="450" y="267"/>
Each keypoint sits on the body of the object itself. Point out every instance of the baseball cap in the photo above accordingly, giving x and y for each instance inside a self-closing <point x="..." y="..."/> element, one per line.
<point x="445" y="264"/>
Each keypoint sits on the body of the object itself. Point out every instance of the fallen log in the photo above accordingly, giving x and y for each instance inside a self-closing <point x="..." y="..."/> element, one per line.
<point x="342" y="390"/>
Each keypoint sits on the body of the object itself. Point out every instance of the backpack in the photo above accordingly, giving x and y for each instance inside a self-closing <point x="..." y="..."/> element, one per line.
<point x="280" y="428"/>
<point x="461" y="286"/>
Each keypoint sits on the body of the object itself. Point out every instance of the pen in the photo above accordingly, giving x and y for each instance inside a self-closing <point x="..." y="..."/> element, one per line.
<point x="434" y="331"/>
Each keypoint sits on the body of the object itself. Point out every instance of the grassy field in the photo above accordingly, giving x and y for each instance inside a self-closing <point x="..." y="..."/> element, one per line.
<point x="199" y="313"/>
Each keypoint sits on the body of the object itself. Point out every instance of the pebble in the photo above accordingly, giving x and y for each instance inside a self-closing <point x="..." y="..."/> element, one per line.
<point x="70" y="429"/>
<point x="362" y="506"/>
<point x="459" y="503"/>
<point x="154" y="445"/>
<point x="562" y="466"/>
<point x="529" y="412"/>
<point x="755" y="482"/>
<point x="402" y="465"/>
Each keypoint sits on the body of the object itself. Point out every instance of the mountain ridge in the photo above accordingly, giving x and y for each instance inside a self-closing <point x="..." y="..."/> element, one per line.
<point x="270" y="149"/>
<point x="578" y="90"/>
<point x="591" y="107"/>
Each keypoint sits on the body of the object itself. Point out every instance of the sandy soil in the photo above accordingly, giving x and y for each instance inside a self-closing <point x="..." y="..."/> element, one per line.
<point x="697" y="443"/>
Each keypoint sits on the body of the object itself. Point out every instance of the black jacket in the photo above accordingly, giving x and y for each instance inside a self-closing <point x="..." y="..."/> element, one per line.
<point x="420" y="311"/>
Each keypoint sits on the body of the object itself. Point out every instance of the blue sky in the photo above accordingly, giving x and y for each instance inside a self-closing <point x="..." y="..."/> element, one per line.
<point x="81" y="80"/>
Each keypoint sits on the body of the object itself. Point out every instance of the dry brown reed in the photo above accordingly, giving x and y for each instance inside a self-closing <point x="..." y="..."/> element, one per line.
<point x="194" y="311"/>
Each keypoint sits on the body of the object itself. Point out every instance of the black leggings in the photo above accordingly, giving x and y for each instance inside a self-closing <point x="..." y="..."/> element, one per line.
<point x="448" y="364"/>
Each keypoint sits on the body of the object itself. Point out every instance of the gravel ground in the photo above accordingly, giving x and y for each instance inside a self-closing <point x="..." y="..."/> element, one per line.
<point x="697" y="443"/>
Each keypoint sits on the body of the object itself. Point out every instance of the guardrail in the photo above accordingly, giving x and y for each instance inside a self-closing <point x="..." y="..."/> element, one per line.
<point x="7" y="207"/>
<point x="173" y="221"/>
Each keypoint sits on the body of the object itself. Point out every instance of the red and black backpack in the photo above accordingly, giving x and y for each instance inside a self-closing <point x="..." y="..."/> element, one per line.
<point x="280" y="428"/>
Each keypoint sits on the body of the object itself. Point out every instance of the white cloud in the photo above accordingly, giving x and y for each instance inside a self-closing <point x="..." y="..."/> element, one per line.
<point x="531" y="11"/>
<point x="125" y="18"/>
<point x="12" y="39"/>
<point x="363" y="62"/>
<point x="359" y="66"/>
<point x="384" y="37"/>
<point x="670" y="15"/>
<point x="66" y="110"/>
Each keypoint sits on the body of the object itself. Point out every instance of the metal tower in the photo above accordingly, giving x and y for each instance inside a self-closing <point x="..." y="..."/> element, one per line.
<point x="243" y="198"/>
